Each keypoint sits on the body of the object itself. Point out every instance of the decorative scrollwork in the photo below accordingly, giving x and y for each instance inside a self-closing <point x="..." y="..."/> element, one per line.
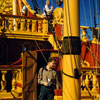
<point x="58" y="15"/>
<point x="6" y="6"/>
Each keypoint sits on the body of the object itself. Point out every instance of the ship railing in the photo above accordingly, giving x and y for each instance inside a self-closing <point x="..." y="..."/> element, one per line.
<point x="22" y="27"/>
<point x="11" y="82"/>
<point x="90" y="82"/>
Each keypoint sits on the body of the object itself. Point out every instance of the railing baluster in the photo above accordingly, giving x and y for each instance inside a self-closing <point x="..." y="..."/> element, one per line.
<point x="33" y="25"/>
<point x="14" y="80"/>
<point x="19" y="80"/>
<point x="94" y="81"/>
<point x="87" y="81"/>
<point x="10" y="23"/>
<point x="22" y="25"/>
<point x="45" y="26"/>
<point x="15" y="24"/>
<point x="3" y="81"/>
<point x="28" y="25"/>
<point x="39" y="26"/>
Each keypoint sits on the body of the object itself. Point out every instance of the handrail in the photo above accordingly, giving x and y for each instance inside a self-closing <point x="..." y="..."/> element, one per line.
<point x="9" y="66"/>
<point x="16" y="16"/>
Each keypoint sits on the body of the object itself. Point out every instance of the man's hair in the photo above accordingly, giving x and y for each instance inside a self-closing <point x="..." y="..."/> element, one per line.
<point x="47" y="0"/>
<point x="51" y="59"/>
<point x="22" y="3"/>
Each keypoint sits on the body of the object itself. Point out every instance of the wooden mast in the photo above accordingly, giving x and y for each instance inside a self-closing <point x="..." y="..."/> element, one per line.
<point x="71" y="57"/>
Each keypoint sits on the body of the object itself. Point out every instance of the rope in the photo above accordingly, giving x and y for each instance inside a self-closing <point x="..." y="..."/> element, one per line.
<point x="91" y="53"/>
<point x="90" y="12"/>
<point x="94" y="14"/>
<point x="51" y="2"/>
<point x="59" y="51"/>
<point x="43" y="3"/>
<point x="41" y="52"/>
<point x="98" y="39"/>
<point x="84" y="12"/>
<point x="36" y="7"/>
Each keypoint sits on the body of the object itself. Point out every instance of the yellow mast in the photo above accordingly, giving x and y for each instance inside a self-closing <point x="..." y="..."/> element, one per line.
<point x="71" y="57"/>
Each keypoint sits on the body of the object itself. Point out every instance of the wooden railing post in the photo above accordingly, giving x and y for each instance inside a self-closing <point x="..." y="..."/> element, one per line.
<point x="10" y="23"/>
<point x="3" y="81"/>
<point x="45" y="26"/>
<point x="33" y="25"/>
<point x="87" y="81"/>
<point x="19" y="80"/>
<point x="14" y="80"/>
<point x="39" y="26"/>
<point x="94" y="81"/>
<point x="22" y="25"/>
<point x="15" y="24"/>
<point x="28" y="25"/>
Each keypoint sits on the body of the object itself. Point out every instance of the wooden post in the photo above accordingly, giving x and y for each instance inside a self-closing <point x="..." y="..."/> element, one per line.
<point x="29" y="75"/>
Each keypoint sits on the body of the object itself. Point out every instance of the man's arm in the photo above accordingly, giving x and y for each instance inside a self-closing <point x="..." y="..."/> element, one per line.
<point x="40" y="78"/>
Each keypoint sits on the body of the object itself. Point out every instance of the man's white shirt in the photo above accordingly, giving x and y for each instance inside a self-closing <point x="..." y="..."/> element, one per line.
<point x="48" y="10"/>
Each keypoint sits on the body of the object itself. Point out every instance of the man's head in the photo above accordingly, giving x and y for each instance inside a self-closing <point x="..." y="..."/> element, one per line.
<point x="22" y="4"/>
<point x="51" y="62"/>
<point x="47" y="2"/>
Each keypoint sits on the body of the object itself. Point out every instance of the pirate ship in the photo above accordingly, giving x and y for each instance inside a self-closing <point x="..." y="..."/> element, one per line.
<point x="24" y="48"/>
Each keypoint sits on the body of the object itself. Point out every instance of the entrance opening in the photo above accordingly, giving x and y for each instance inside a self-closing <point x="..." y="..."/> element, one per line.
<point x="41" y="62"/>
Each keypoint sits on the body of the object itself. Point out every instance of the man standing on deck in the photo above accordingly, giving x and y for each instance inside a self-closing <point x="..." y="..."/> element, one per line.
<point x="47" y="77"/>
<point x="47" y="10"/>
<point x="24" y="9"/>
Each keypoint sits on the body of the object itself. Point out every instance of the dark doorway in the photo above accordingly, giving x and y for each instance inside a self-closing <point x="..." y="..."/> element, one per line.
<point x="41" y="62"/>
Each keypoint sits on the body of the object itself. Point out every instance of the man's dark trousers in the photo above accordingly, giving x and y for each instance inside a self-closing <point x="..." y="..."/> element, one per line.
<point x="46" y="93"/>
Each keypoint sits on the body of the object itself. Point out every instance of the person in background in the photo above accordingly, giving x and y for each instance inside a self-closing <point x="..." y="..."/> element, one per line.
<point x="24" y="13"/>
<point x="47" y="10"/>
<point x="24" y="9"/>
<point x="47" y="77"/>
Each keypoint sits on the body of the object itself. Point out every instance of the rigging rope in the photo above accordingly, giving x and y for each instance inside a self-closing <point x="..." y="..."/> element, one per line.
<point x="90" y="12"/>
<point x="90" y="17"/>
<point x="36" y="7"/>
<point x="97" y="38"/>
<point x="94" y="14"/>
<point x="91" y="25"/>
<point x="41" y="51"/>
<point x="43" y="3"/>
<point x="84" y="12"/>
<point x="91" y="53"/>
<point x="51" y="2"/>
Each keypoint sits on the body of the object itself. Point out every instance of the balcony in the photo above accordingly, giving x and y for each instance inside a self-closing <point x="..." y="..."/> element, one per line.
<point x="11" y="82"/>
<point x="21" y="27"/>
